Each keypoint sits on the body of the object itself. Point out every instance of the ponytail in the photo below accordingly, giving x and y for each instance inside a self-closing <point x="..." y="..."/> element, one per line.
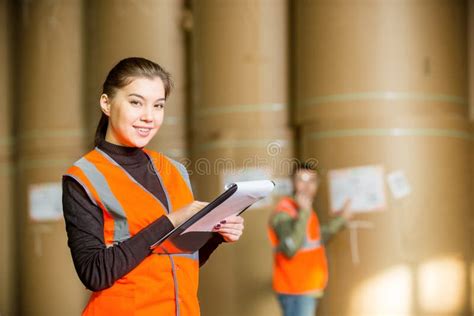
<point x="101" y="129"/>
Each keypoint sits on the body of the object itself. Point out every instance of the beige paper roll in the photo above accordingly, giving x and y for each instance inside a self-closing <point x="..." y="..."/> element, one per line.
<point x="470" y="57"/>
<point x="380" y="58"/>
<point x="150" y="29"/>
<point x="472" y="219"/>
<point x="7" y="254"/>
<point x="414" y="256"/>
<point x="240" y="122"/>
<point x="470" y="41"/>
<point x="240" y="272"/>
<point x="50" y="138"/>
<point x="240" y="72"/>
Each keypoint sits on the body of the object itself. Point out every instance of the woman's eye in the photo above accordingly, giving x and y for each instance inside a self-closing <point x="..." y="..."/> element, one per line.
<point x="160" y="106"/>
<point x="135" y="103"/>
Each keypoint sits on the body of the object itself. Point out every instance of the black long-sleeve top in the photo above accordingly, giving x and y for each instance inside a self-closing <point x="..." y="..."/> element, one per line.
<point x="97" y="265"/>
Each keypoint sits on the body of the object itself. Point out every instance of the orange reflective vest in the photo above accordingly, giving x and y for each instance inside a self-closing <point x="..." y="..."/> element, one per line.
<point x="161" y="284"/>
<point x="306" y="272"/>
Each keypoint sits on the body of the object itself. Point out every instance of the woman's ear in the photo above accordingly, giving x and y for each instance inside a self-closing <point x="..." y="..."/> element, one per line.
<point x="105" y="104"/>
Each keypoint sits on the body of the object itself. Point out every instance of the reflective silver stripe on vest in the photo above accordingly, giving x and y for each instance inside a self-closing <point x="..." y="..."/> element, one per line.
<point x="121" y="231"/>
<point x="85" y="189"/>
<point x="311" y="244"/>
<point x="170" y="206"/>
<point x="193" y="256"/>
<point x="307" y="245"/>
<point x="135" y="181"/>
<point x="184" y="173"/>
<point x="176" y="289"/>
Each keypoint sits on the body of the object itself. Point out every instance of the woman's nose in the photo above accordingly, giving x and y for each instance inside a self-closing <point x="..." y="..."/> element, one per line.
<point x="147" y="114"/>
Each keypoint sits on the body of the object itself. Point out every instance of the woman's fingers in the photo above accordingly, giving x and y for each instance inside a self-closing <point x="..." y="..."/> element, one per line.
<point x="231" y="223"/>
<point x="179" y="216"/>
<point x="235" y="219"/>
<point x="231" y="228"/>
<point x="196" y="206"/>
<point x="230" y="237"/>
<point x="199" y="205"/>
<point x="230" y="231"/>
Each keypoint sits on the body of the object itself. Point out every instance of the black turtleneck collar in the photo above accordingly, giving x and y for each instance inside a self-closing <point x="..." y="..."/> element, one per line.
<point x="123" y="155"/>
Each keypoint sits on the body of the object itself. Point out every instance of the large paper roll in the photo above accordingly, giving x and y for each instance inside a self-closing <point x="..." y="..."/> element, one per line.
<point x="380" y="58"/>
<point x="49" y="138"/>
<point x="7" y="255"/>
<point x="419" y="245"/>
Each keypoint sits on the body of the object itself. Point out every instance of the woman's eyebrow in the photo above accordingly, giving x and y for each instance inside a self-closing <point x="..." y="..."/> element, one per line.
<point x="136" y="95"/>
<point x="141" y="97"/>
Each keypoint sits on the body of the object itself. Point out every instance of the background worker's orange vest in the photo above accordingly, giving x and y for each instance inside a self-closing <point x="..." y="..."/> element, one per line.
<point x="161" y="284"/>
<point x="306" y="272"/>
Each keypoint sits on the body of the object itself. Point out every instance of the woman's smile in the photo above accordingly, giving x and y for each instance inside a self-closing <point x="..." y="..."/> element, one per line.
<point x="143" y="131"/>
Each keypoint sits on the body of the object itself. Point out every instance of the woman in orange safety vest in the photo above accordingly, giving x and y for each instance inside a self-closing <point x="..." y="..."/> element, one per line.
<point x="120" y="198"/>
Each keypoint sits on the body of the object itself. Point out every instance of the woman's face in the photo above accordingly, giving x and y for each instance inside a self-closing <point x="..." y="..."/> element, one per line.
<point x="135" y="112"/>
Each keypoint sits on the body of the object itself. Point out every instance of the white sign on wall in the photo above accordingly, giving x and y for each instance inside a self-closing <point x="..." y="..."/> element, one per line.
<point x="398" y="184"/>
<point x="45" y="201"/>
<point x="364" y="186"/>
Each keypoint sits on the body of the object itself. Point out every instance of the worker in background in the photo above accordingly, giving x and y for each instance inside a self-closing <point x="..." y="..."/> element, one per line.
<point x="300" y="271"/>
<point x="119" y="199"/>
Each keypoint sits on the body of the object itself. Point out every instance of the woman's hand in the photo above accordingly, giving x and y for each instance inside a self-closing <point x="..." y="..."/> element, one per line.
<point x="180" y="216"/>
<point x="230" y="228"/>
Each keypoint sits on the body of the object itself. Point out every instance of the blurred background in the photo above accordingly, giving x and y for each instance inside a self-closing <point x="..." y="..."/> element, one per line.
<point x="377" y="93"/>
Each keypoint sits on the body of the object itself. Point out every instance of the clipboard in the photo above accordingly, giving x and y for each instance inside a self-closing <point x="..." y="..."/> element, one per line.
<point x="191" y="235"/>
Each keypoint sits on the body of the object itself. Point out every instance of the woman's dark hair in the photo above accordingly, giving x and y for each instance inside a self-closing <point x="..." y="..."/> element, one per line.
<point x="123" y="74"/>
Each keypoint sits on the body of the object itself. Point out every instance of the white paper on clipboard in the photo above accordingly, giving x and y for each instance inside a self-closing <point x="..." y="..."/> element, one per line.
<point x="249" y="174"/>
<point x="247" y="193"/>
